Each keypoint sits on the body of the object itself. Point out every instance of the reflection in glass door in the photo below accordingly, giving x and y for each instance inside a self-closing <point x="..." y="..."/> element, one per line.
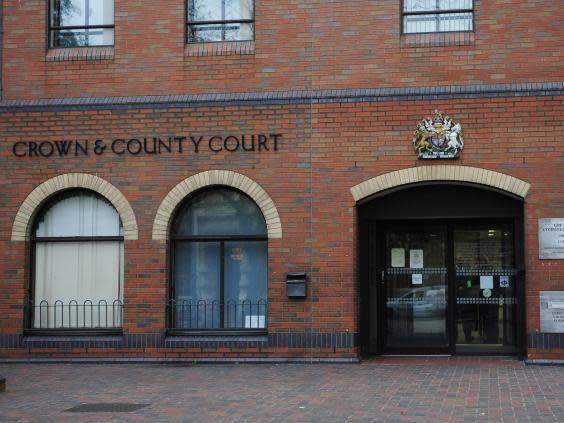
<point x="415" y="289"/>
<point x="485" y="288"/>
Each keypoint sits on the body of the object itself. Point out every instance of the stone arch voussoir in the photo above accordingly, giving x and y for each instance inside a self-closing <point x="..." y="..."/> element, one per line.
<point x="216" y="177"/>
<point x="33" y="202"/>
<point x="452" y="173"/>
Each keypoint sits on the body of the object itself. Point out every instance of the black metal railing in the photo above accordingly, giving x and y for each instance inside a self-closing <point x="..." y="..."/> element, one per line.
<point x="73" y="315"/>
<point x="201" y="315"/>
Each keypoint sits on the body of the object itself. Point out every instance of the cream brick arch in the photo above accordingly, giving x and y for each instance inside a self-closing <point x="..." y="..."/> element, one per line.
<point x="24" y="217"/>
<point x="216" y="177"/>
<point x="452" y="173"/>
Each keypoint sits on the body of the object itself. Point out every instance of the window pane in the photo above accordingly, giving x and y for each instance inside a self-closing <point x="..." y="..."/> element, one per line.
<point x="245" y="284"/>
<point x="78" y="284"/>
<point x="220" y="212"/>
<point x="219" y="10"/>
<point x="419" y="24"/>
<point x="455" y="4"/>
<point x="81" y="38"/>
<point x="80" y="215"/>
<point x="82" y="12"/>
<point x="218" y="32"/>
<point x="455" y="22"/>
<point x="438" y="23"/>
<point x="69" y="12"/>
<point x="238" y="9"/>
<point x="432" y="5"/>
<point x="205" y="10"/>
<point x="101" y="12"/>
<point x="197" y="284"/>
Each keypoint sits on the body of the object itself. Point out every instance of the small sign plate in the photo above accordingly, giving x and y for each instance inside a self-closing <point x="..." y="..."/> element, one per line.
<point x="551" y="238"/>
<point x="552" y="311"/>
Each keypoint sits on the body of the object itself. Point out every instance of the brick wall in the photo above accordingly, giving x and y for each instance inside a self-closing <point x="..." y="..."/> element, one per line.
<point x="299" y="45"/>
<point x="326" y="149"/>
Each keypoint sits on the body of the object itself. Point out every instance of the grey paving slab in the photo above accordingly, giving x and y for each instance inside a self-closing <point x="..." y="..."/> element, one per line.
<point x="403" y="390"/>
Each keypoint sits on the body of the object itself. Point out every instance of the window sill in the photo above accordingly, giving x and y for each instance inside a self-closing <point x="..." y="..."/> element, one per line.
<point x="215" y="340"/>
<point x="437" y="39"/>
<point x="88" y="54"/>
<point x="72" y="333"/>
<point x="213" y="334"/>
<point x="224" y="48"/>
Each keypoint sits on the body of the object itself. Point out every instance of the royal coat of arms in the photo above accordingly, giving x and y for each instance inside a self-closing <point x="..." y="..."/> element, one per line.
<point x="438" y="138"/>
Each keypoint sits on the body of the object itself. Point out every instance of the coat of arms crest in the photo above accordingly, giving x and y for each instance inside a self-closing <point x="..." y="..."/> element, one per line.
<point x="438" y="138"/>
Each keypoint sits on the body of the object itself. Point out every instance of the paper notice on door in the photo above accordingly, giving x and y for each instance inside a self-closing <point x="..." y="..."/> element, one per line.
<point x="416" y="259"/>
<point x="486" y="282"/>
<point x="398" y="257"/>
<point x="504" y="281"/>
<point x="417" y="279"/>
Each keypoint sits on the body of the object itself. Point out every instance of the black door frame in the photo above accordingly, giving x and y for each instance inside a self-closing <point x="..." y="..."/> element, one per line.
<point x="372" y="265"/>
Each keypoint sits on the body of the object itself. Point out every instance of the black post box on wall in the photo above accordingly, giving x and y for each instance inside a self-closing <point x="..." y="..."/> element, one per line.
<point x="296" y="284"/>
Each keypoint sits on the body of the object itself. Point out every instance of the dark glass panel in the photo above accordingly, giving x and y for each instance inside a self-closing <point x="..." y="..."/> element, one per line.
<point x="197" y="284"/>
<point x="416" y="289"/>
<point x="485" y="287"/>
<point x="220" y="212"/>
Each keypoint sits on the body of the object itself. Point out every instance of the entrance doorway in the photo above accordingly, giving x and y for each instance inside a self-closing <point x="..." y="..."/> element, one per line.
<point x="436" y="283"/>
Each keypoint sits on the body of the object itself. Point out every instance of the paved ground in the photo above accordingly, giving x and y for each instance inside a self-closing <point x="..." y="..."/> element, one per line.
<point x="381" y="390"/>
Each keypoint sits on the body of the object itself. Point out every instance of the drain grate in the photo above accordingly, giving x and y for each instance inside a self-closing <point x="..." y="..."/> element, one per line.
<point x="107" y="407"/>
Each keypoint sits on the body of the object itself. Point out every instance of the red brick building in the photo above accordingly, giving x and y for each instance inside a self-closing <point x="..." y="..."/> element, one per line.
<point x="274" y="180"/>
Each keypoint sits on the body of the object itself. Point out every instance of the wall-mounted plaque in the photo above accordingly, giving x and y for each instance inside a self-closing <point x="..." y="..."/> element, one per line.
<point x="438" y="138"/>
<point x="551" y="238"/>
<point x="552" y="311"/>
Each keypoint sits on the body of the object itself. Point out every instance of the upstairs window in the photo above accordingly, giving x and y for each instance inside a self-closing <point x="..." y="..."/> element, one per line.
<point x="428" y="16"/>
<point x="220" y="20"/>
<point x="80" y="23"/>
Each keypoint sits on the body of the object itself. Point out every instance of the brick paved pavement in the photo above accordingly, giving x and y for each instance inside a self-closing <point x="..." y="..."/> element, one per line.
<point x="387" y="389"/>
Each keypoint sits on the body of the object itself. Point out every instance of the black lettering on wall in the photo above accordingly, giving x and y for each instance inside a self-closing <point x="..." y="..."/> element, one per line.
<point x="244" y="145"/>
<point x="32" y="149"/>
<point x="231" y="143"/>
<point x="146" y="146"/>
<point x="21" y="153"/>
<point x="165" y="146"/>
<point x="196" y="143"/>
<point x="118" y="146"/>
<point x="63" y="147"/>
<point x="211" y="144"/>
<point x="82" y="147"/>
<point x="275" y="137"/>
<point x="180" y="140"/>
<point x="99" y="147"/>
<point x="46" y="149"/>
<point x="262" y="139"/>
<point x="134" y="146"/>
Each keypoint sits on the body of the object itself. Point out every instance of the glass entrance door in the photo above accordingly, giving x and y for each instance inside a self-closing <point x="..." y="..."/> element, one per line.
<point x="415" y="289"/>
<point x="485" y="285"/>
<point x="448" y="288"/>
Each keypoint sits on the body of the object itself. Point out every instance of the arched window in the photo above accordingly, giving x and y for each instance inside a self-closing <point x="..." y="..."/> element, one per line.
<point x="219" y="263"/>
<point x="77" y="262"/>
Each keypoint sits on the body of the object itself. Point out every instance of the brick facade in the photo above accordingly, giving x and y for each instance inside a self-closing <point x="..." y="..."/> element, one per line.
<point x="341" y="125"/>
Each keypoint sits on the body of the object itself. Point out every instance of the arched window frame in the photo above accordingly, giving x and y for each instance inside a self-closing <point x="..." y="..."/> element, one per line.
<point x="173" y="328"/>
<point x="105" y="326"/>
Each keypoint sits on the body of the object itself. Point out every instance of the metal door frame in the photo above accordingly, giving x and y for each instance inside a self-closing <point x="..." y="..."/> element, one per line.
<point x="374" y="238"/>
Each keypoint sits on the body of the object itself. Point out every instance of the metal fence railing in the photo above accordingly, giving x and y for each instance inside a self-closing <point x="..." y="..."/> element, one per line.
<point x="210" y="315"/>
<point x="74" y="315"/>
